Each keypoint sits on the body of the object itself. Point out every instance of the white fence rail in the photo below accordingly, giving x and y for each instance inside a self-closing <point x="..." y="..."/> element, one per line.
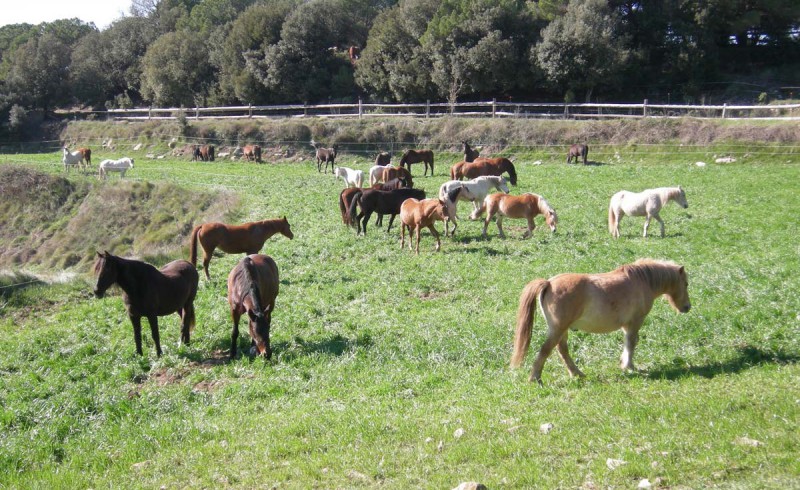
<point x="541" y="110"/>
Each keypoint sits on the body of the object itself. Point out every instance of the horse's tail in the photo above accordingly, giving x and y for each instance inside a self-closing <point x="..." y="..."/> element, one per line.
<point x="525" y="314"/>
<point x="255" y="293"/>
<point x="512" y="173"/>
<point x="88" y="155"/>
<point x="193" y="245"/>
<point x="343" y="207"/>
<point x="612" y="217"/>
<point x="355" y="200"/>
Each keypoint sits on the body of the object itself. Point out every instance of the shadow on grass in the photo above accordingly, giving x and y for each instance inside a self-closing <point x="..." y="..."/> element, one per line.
<point x="286" y="351"/>
<point x="746" y="357"/>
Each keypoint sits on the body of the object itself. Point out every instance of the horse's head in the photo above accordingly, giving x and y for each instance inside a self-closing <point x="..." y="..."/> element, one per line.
<point x="105" y="268"/>
<point x="286" y="230"/>
<point x="259" y="330"/>
<point x="680" y="198"/>
<point x="502" y="185"/>
<point x="551" y="218"/>
<point x="131" y="162"/>
<point x="678" y="294"/>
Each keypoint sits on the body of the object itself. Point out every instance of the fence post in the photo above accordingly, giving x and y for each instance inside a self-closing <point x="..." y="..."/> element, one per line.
<point x="305" y="109"/>
<point x="724" y="109"/>
<point x="566" y="111"/>
<point x="494" y="107"/>
<point x="644" y="108"/>
<point x="150" y="112"/>
<point x="196" y="113"/>
<point x="427" y="108"/>
<point x="249" y="110"/>
<point x="360" y="108"/>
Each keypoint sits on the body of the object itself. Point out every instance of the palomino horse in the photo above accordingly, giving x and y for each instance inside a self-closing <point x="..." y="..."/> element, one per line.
<point x="252" y="288"/>
<point x="526" y="206"/>
<point x="646" y="203"/>
<point x="417" y="214"/>
<point x="149" y="292"/>
<point x="490" y="166"/>
<point x="596" y="303"/>
<point x="417" y="156"/>
<point x="327" y="155"/>
<point x="346" y="197"/>
<point x="577" y="151"/>
<point x="351" y="178"/>
<point x="470" y="154"/>
<point x="71" y="159"/>
<point x="120" y="166"/>
<point x="233" y="239"/>
<point x="252" y="153"/>
<point x="381" y="202"/>
<point x="390" y="173"/>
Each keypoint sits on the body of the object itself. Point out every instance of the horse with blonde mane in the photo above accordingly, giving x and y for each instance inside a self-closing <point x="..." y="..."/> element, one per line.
<point x="233" y="239"/>
<point x="415" y="213"/>
<point x="646" y="203"/>
<point x="526" y="206"/>
<point x="596" y="303"/>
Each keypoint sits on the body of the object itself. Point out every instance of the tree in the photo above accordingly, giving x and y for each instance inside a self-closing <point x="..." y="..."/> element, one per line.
<point x="38" y="72"/>
<point x="175" y="70"/>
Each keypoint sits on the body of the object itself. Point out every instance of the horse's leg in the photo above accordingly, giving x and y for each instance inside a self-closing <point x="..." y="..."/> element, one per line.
<point x="489" y="214"/>
<point x="235" y="315"/>
<point x="187" y="313"/>
<point x="436" y="235"/>
<point x="207" y="260"/>
<point x="391" y="220"/>
<point x="500" y="225"/>
<point x="137" y="332"/>
<point x="646" y="225"/>
<point x="631" y="339"/>
<point x="531" y="226"/>
<point x="379" y="220"/>
<point x="563" y="351"/>
<point x="552" y="340"/>
<point x="153" y="321"/>
<point x="417" y="230"/>
<point x="660" y="222"/>
<point x="403" y="235"/>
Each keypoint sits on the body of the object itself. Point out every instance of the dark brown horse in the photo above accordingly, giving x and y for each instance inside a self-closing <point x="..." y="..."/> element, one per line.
<point x="233" y="239"/>
<point x="196" y="156"/>
<point x="381" y="202"/>
<point x="490" y="166"/>
<point x="470" y="154"/>
<point x="252" y="289"/>
<point x="207" y="153"/>
<point x="390" y="173"/>
<point x="346" y="197"/>
<point x="418" y="156"/>
<point x="383" y="159"/>
<point x="327" y="155"/>
<point x="577" y="151"/>
<point x="149" y="292"/>
<point x="252" y="153"/>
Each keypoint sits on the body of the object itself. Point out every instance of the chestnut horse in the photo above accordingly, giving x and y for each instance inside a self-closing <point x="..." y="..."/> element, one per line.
<point x="346" y="197"/>
<point x="490" y="166"/>
<point x="390" y="173"/>
<point x="457" y="170"/>
<point x="207" y="153"/>
<point x="381" y="202"/>
<point x="252" y="153"/>
<point x="149" y="292"/>
<point x="526" y="206"/>
<point x="252" y="288"/>
<point x="577" y="151"/>
<point x="596" y="303"/>
<point x="415" y="213"/>
<point x="87" y="156"/>
<point x="233" y="239"/>
<point x="470" y="154"/>
<point x="327" y="155"/>
<point x="418" y="156"/>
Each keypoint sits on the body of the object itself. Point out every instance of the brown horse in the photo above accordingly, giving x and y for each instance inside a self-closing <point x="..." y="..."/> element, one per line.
<point x="233" y="239"/>
<point x="252" y="153"/>
<point x="381" y="202"/>
<point x="252" y="288"/>
<point x="416" y="214"/>
<point x="383" y="159"/>
<point x="87" y="156"/>
<point x="418" y="156"/>
<point x="457" y="170"/>
<point x="390" y="173"/>
<point x="149" y="292"/>
<point x="526" y="206"/>
<point x="346" y="197"/>
<point x="207" y="153"/>
<point x="327" y="155"/>
<point x="470" y="154"/>
<point x="489" y="166"/>
<point x="196" y="156"/>
<point x="577" y="151"/>
<point x="596" y="303"/>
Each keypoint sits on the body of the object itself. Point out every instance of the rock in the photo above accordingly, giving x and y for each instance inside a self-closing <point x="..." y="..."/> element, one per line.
<point x="645" y="483"/>
<point x="471" y="485"/>
<point x="545" y="428"/>
<point x="138" y="147"/>
<point x="151" y="156"/>
<point x="458" y="433"/>
<point x="613" y="464"/>
<point x="725" y="160"/>
<point x="537" y="162"/>
<point x="700" y="164"/>
<point x="746" y="441"/>
<point x="355" y="475"/>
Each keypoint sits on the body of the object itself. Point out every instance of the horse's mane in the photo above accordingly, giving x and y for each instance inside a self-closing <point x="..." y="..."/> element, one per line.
<point x="252" y="288"/>
<point x="655" y="273"/>
<point x="545" y="207"/>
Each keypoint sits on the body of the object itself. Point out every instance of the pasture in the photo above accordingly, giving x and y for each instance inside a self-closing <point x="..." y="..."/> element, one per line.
<point x="391" y="369"/>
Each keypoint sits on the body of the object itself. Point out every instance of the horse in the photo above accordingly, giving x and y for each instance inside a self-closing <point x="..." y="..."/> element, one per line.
<point x="87" y="156"/>
<point x="346" y="197"/>
<point x="351" y="178"/>
<point x="381" y="202"/>
<point x="383" y="159"/>
<point x="252" y="153"/>
<point x="416" y="213"/>
<point x="417" y="156"/>
<point x="233" y="239"/>
<point x="196" y="155"/>
<point x="120" y="166"/>
<point x="149" y="292"/>
<point x="207" y="153"/>
<point x="646" y="203"/>
<point x="477" y="189"/>
<point x="577" y="151"/>
<point x="327" y="155"/>
<point x="596" y="303"/>
<point x="457" y="170"/>
<point x="390" y="173"/>
<point x="252" y="288"/>
<point x="71" y="159"/>
<point x="470" y="154"/>
<point x="526" y="206"/>
<point x="490" y="166"/>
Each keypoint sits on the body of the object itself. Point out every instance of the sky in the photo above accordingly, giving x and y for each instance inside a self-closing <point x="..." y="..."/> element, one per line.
<point x="101" y="12"/>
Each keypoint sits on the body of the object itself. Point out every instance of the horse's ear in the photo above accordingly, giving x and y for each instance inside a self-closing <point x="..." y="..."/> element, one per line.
<point x="99" y="254"/>
<point x="682" y="270"/>
<point x="284" y="218"/>
<point x="107" y="253"/>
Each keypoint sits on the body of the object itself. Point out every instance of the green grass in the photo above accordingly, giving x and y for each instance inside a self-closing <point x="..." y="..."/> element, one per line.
<point x="380" y="355"/>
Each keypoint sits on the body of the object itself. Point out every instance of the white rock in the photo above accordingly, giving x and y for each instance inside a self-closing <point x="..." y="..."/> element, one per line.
<point x="725" y="160"/>
<point x="458" y="433"/>
<point x="545" y="428"/>
<point x="700" y="164"/>
<point x="746" y="441"/>
<point x="645" y="483"/>
<point x="137" y="147"/>
<point x="613" y="464"/>
<point x="537" y="162"/>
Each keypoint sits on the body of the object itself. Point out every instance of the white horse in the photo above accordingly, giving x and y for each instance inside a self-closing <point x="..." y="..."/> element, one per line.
<point x="646" y="203"/>
<point x="352" y="178"/>
<point x="120" y="166"/>
<point x="71" y="159"/>
<point x="376" y="174"/>
<point x="476" y="190"/>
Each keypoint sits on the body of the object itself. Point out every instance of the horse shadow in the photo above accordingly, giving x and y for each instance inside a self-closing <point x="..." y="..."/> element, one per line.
<point x="285" y="351"/>
<point x="593" y="163"/>
<point x="747" y="357"/>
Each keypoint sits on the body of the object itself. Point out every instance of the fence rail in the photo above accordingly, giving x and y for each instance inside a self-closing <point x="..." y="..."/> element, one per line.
<point x="495" y="109"/>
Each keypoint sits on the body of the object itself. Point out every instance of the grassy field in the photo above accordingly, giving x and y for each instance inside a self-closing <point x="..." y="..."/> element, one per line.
<point x="391" y="370"/>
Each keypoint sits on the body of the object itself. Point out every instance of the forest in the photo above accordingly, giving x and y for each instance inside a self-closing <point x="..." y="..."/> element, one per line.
<point x="232" y="52"/>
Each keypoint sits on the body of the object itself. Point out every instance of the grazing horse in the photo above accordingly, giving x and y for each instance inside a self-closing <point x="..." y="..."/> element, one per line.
<point x="490" y="166"/>
<point x="457" y="170"/>
<point x="577" y="151"/>
<point x="252" y="288"/>
<point x="476" y="189"/>
<point x="383" y="159"/>
<point x="87" y="156"/>
<point x="120" y="166"/>
<point x="416" y="214"/>
<point x="381" y="202"/>
<point x="596" y="303"/>
<point x="207" y="153"/>
<point x="351" y="178"/>
<point x="390" y="173"/>
<point x="252" y="153"/>
<point x="346" y="198"/>
<point x="233" y="239"/>
<point x="526" y="206"/>
<point x="327" y="155"/>
<point x="417" y="156"/>
<point x="71" y="159"/>
<point x="196" y="155"/>
<point x="149" y="292"/>
<point x="646" y="203"/>
<point x="470" y="154"/>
